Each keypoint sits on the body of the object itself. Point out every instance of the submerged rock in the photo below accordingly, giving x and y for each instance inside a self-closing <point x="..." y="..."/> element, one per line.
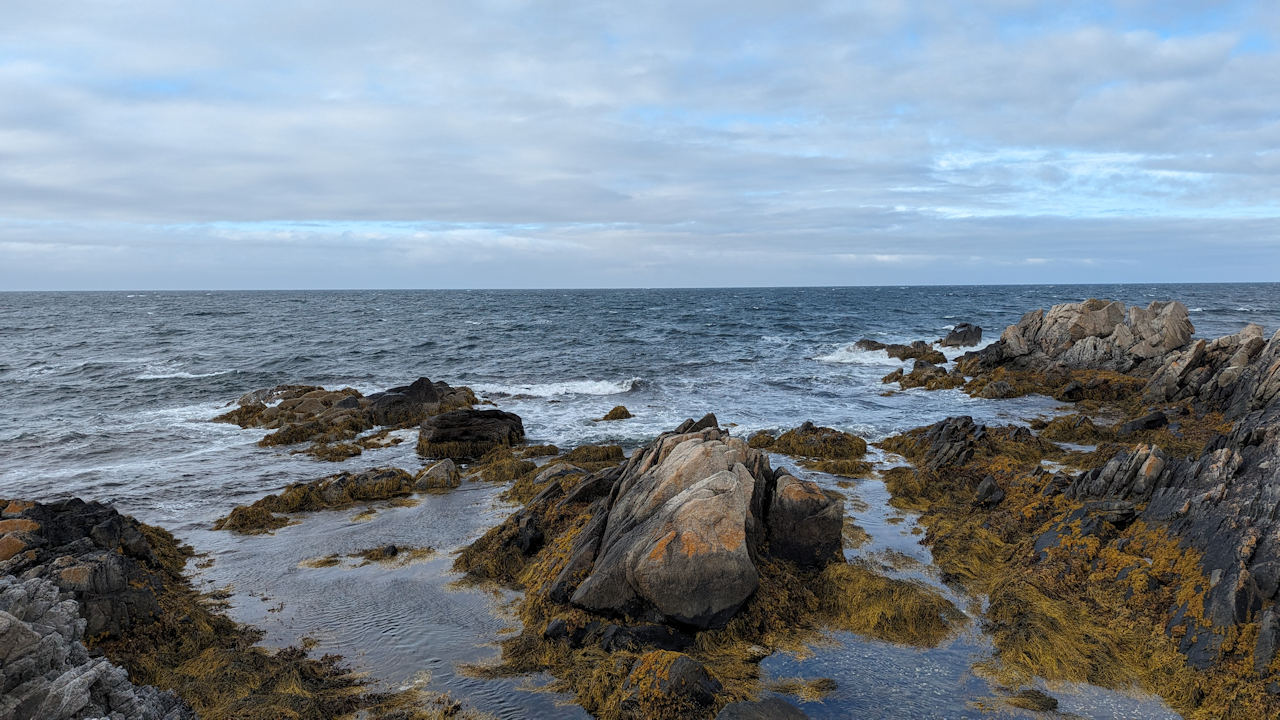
<point x="767" y="709"/>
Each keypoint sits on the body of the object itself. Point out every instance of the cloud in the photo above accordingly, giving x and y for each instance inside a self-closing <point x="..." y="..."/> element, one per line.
<point x="763" y="135"/>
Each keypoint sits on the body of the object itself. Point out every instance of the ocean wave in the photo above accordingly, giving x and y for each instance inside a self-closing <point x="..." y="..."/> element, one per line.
<point x="1195" y="309"/>
<point x="851" y="355"/>
<point x="568" y="387"/>
<point x="160" y="374"/>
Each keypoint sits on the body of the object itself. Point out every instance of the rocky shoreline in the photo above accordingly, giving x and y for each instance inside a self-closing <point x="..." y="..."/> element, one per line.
<point x="654" y="583"/>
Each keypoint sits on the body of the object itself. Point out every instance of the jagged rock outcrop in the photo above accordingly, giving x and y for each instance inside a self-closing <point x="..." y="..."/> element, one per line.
<point x="1092" y="335"/>
<point x="962" y="335"/>
<point x="1234" y="374"/>
<point x="90" y="550"/>
<point x="300" y="413"/>
<point x="1226" y="502"/>
<point x="468" y="434"/>
<point x="46" y="673"/>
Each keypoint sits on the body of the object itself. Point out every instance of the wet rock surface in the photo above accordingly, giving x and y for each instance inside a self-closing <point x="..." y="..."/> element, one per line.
<point x="334" y="491"/>
<point x="331" y="418"/>
<point x="468" y="434"/>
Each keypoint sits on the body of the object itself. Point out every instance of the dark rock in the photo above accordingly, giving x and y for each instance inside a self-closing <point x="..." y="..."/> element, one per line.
<point x="869" y="345"/>
<point x="690" y="426"/>
<point x="1072" y="392"/>
<point x="918" y="350"/>
<point x="988" y="493"/>
<point x="1152" y="421"/>
<point x="468" y="434"/>
<point x="773" y="708"/>
<point x="951" y="442"/>
<point x="635" y="638"/>
<point x="1264" y="651"/>
<point x="997" y="390"/>
<point x="668" y="684"/>
<point x="1032" y="699"/>
<point x="804" y="524"/>
<point x="962" y="335"/>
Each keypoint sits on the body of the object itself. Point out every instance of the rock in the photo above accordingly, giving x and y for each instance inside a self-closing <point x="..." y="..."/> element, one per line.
<point x="951" y="442"/>
<point x="300" y="413"/>
<point x="468" y="434"/>
<point x="442" y="475"/>
<point x="804" y="524"/>
<point x="825" y="443"/>
<point x="1032" y="699"/>
<point x="773" y="708"/>
<point x="918" y="350"/>
<point x="1152" y="421"/>
<point x="869" y="345"/>
<point x="1264" y="651"/>
<point x="1072" y="392"/>
<point x="674" y="531"/>
<point x="690" y="426"/>
<point x="676" y="538"/>
<point x="640" y="637"/>
<point x="668" y="684"/>
<point x="1093" y="335"/>
<point x="925" y="374"/>
<point x="47" y="673"/>
<point x="988" y="493"/>
<point x="334" y="491"/>
<point x="618" y="413"/>
<point x="962" y="335"/>
<point x="997" y="390"/>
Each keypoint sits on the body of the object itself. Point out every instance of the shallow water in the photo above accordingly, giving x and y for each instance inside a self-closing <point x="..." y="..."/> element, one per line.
<point x="108" y="396"/>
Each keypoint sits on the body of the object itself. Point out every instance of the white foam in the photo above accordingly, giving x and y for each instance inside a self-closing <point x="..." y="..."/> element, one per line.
<point x="160" y="375"/>
<point x="852" y="355"/>
<point x="571" y="387"/>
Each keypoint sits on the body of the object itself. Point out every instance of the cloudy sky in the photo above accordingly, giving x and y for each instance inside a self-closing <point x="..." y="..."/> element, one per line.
<point x="389" y="143"/>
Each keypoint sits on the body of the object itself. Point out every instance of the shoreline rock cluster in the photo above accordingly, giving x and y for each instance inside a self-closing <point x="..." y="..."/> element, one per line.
<point x="685" y="565"/>
<point x="1171" y="522"/>
<point x="1134" y="541"/>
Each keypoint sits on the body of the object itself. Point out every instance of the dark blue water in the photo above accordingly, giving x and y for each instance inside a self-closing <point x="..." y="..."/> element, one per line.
<point x="108" y="396"/>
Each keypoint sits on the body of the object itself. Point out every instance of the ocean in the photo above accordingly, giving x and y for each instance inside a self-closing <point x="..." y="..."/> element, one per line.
<point x="108" y="396"/>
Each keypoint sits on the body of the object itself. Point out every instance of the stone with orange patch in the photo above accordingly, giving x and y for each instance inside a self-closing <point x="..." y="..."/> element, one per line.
<point x="15" y="507"/>
<point x="18" y="525"/>
<point x="10" y="545"/>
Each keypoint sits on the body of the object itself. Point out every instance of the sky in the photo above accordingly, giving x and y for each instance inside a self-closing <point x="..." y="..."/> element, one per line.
<point x="170" y="144"/>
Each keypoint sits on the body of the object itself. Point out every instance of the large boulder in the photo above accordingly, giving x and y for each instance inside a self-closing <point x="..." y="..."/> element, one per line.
<point x="962" y="335"/>
<point x="468" y="434"/>
<point x="1092" y="335"/>
<point x="672" y="534"/>
<point x="676" y="538"/>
